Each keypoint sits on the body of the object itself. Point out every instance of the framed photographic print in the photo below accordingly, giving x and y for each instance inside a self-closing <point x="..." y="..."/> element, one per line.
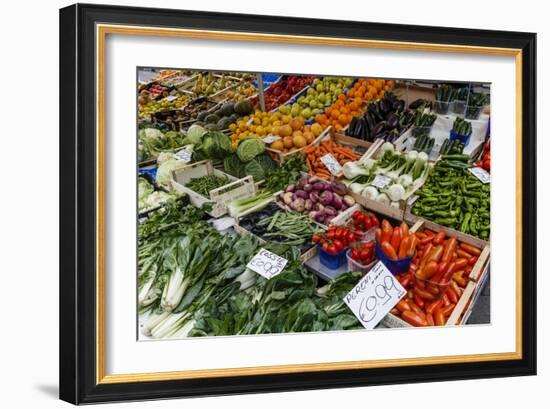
<point x="256" y="203"/>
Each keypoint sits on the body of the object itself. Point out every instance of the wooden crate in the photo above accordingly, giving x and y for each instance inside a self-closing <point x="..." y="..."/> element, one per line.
<point x="305" y="256"/>
<point x="467" y="238"/>
<point x="281" y="156"/>
<point x="470" y="293"/>
<point x="389" y="211"/>
<point x="219" y="197"/>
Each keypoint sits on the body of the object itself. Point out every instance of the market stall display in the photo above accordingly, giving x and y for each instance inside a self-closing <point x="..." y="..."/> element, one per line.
<point x="335" y="177"/>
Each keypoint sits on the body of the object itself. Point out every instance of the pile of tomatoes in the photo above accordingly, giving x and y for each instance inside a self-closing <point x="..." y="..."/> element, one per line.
<point x="363" y="221"/>
<point x="281" y="91"/>
<point x="363" y="252"/>
<point x="485" y="161"/>
<point x="336" y="239"/>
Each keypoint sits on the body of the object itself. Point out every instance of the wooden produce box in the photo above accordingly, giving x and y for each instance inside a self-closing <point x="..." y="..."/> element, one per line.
<point x="281" y="156"/>
<point x="219" y="197"/>
<point x="305" y="256"/>
<point x="476" y="282"/>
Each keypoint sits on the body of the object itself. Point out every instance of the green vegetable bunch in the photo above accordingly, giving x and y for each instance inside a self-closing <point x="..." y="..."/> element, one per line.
<point x="462" y="127"/>
<point x="289" y="172"/>
<point x="204" y="184"/>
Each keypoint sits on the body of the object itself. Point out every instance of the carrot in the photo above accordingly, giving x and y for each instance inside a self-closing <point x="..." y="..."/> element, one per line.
<point x="309" y="149"/>
<point x="474" y="251"/>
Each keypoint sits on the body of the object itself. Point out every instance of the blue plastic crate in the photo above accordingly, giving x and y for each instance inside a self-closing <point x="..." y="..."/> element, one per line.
<point x="465" y="139"/>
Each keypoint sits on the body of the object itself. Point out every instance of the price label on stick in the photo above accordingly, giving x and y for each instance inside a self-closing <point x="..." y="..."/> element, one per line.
<point x="331" y="164"/>
<point x="380" y="181"/>
<point x="267" y="264"/>
<point x="170" y="98"/>
<point x="374" y="296"/>
<point x="481" y="174"/>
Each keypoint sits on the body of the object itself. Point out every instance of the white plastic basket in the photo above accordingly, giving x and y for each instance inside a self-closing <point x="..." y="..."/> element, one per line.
<point x="219" y="197"/>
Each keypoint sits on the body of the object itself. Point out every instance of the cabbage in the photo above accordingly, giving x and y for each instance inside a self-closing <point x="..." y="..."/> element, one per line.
<point x="164" y="171"/>
<point x="233" y="166"/>
<point x="254" y="169"/>
<point x="267" y="163"/>
<point x="259" y="167"/>
<point x="144" y="188"/>
<point x="152" y="133"/>
<point x="164" y="156"/>
<point x="216" y="145"/>
<point x="250" y="148"/>
<point x="194" y="135"/>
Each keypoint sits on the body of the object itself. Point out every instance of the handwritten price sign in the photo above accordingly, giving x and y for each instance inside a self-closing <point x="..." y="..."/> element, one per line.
<point x="267" y="264"/>
<point x="331" y="164"/>
<point x="380" y="181"/>
<point x="374" y="296"/>
<point x="184" y="155"/>
<point x="481" y="174"/>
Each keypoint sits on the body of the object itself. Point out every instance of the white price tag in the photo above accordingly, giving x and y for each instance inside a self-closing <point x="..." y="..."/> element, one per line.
<point x="374" y="296"/>
<point x="184" y="155"/>
<point x="481" y="174"/>
<point x="271" y="138"/>
<point x="170" y="98"/>
<point x="267" y="264"/>
<point x="380" y="181"/>
<point x="331" y="164"/>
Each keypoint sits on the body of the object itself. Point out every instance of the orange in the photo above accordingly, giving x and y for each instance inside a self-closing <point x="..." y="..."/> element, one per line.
<point x="335" y="114"/>
<point x="343" y="119"/>
<point x="342" y="97"/>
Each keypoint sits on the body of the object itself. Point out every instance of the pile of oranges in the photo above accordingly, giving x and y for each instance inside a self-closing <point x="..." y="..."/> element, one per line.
<point x="351" y="104"/>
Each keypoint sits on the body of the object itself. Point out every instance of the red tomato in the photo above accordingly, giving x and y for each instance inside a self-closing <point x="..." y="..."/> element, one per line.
<point x="332" y="249"/>
<point x="339" y="244"/>
<point x="364" y="255"/>
<point x="316" y="238"/>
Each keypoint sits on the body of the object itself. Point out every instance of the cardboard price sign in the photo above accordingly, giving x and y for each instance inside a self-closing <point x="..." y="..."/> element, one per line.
<point x="184" y="155"/>
<point x="374" y="296"/>
<point x="380" y="181"/>
<point x="331" y="164"/>
<point x="267" y="264"/>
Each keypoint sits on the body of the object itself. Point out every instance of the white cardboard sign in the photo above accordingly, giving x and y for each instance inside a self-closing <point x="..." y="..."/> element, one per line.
<point x="267" y="264"/>
<point x="374" y="296"/>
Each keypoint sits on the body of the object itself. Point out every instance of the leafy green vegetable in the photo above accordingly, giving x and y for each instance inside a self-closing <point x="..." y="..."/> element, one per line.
<point x="194" y="135"/>
<point x="215" y="145"/>
<point x="233" y="166"/>
<point x="289" y="172"/>
<point x="250" y="148"/>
